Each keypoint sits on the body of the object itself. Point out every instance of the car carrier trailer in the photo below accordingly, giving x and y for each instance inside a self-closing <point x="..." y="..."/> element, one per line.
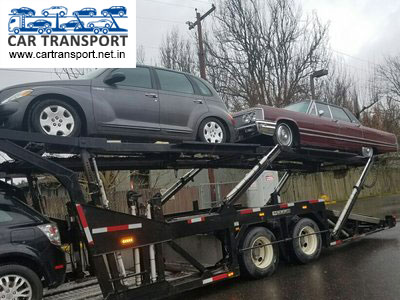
<point x="252" y="238"/>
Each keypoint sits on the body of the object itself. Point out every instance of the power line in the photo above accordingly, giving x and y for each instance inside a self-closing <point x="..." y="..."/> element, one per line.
<point x="172" y="4"/>
<point x="354" y="57"/>
<point x="161" y="20"/>
<point x="29" y="71"/>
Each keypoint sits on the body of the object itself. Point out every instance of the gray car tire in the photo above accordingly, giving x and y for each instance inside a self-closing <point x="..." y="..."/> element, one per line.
<point x="71" y="116"/>
<point x="212" y="130"/>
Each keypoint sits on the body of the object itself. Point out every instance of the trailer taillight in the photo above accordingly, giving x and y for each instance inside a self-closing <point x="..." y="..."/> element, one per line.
<point x="127" y="241"/>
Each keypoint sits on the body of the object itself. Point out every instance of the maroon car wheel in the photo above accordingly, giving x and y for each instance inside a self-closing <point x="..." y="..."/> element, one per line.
<point x="285" y="135"/>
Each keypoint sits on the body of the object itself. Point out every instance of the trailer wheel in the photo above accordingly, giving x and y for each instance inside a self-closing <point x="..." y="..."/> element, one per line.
<point x="261" y="261"/>
<point x="19" y="282"/>
<point x="16" y="30"/>
<point x="306" y="243"/>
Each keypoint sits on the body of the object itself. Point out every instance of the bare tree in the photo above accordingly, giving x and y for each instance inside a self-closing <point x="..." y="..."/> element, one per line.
<point x="71" y="73"/>
<point x="177" y="52"/>
<point x="140" y="55"/>
<point x="266" y="50"/>
<point x="339" y="87"/>
<point x="390" y="75"/>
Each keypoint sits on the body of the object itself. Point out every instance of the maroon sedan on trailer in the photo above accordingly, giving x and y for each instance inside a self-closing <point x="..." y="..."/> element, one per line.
<point x="312" y="123"/>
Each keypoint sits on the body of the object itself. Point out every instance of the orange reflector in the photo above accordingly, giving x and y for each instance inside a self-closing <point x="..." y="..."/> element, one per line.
<point x="230" y="274"/>
<point x="237" y="228"/>
<point x="127" y="240"/>
<point x="261" y="214"/>
<point x="304" y="206"/>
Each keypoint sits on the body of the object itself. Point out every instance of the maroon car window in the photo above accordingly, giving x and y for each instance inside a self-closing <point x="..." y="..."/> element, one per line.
<point x="138" y="77"/>
<point x="299" y="106"/>
<point x="313" y="111"/>
<point x="174" y="82"/>
<point x="323" y="110"/>
<point x="339" y="114"/>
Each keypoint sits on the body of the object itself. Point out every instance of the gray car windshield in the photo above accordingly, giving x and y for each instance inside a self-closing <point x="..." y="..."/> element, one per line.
<point x="92" y="74"/>
<point x="299" y="106"/>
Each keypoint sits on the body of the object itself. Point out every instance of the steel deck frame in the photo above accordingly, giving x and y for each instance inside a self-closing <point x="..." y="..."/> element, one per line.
<point x="102" y="230"/>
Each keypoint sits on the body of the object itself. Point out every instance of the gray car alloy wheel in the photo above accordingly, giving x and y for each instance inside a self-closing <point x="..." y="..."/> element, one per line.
<point x="57" y="120"/>
<point x="213" y="132"/>
<point x="15" y="287"/>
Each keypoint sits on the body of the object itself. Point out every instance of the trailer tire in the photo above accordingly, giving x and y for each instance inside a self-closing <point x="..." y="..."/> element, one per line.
<point x="28" y="279"/>
<point x="259" y="262"/>
<point x="308" y="248"/>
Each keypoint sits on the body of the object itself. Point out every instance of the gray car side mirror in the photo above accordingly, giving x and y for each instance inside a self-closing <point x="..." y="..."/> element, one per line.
<point x="114" y="78"/>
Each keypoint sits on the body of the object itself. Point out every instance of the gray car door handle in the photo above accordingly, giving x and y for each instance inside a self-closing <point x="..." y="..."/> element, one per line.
<point x="151" y="95"/>
<point x="198" y="101"/>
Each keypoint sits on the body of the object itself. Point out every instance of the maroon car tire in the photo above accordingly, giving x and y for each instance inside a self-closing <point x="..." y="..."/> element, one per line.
<point x="286" y="135"/>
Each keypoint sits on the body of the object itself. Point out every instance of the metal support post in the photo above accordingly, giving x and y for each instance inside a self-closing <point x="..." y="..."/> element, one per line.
<point x="152" y="252"/>
<point x="274" y="199"/>
<point x="172" y="190"/>
<point x="251" y="176"/>
<point x="344" y="215"/>
<point x="132" y="198"/>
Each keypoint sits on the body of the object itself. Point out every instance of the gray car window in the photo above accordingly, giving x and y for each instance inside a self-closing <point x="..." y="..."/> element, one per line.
<point x="138" y="77"/>
<point x="174" y="82"/>
<point x="339" y="114"/>
<point x="203" y="88"/>
<point x="323" y="110"/>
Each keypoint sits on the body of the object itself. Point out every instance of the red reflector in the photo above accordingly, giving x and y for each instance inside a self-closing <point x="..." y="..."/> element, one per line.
<point x="339" y="242"/>
<point x="246" y="211"/>
<point x="313" y="201"/>
<point x="219" y="277"/>
<point x="59" y="267"/>
<point x="284" y="205"/>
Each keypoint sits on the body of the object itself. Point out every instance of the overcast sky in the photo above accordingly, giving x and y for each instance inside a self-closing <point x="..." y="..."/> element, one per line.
<point x="361" y="31"/>
<point x="364" y="29"/>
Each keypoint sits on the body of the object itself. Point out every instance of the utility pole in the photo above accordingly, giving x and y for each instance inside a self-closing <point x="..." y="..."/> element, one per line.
<point x="202" y="55"/>
<point x="316" y="74"/>
<point x="202" y="62"/>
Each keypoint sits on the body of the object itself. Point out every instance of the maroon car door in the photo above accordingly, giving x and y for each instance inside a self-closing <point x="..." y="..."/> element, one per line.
<point x="319" y="130"/>
<point x="351" y="134"/>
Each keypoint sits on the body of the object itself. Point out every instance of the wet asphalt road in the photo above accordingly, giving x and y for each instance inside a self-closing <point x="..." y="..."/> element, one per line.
<point x="365" y="269"/>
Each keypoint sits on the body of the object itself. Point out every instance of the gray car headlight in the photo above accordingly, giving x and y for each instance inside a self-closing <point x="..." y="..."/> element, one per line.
<point x="16" y="96"/>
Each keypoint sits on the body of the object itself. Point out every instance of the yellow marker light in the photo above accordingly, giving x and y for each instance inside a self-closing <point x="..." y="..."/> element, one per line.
<point x="230" y="274"/>
<point x="127" y="241"/>
<point x="304" y="206"/>
<point x="261" y="214"/>
<point x="237" y="228"/>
